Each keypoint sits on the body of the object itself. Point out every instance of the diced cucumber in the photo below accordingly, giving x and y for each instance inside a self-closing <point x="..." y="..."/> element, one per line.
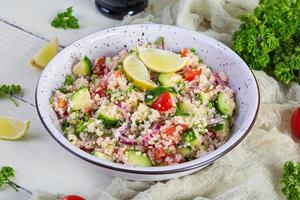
<point x="153" y="94"/>
<point x="222" y="128"/>
<point x="169" y="79"/>
<point x="101" y="155"/>
<point x="83" y="68"/>
<point x="109" y="121"/>
<point x="186" y="152"/>
<point x="183" y="109"/>
<point x="224" y="104"/>
<point x="192" y="138"/>
<point x="80" y="99"/>
<point x="204" y="97"/>
<point x="137" y="158"/>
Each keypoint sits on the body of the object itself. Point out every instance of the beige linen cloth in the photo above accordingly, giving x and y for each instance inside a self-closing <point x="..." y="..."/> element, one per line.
<point x="253" y="169"/>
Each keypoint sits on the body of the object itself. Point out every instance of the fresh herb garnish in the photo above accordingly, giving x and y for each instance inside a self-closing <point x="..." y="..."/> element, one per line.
<point x="160" y="42"/>
<point x="65" y="20"/>
<point x="269" y="39"/>
<point x="6" y="174"/>
<point x="69" y="80"/>
<point x="291" y="180"/>
<point x="7" y="91"/>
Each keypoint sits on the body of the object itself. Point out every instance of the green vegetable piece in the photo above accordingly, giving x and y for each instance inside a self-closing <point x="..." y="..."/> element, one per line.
<point x="7" y="91"/>
<point x="222" y="128"/>
<point x="69" y="80"/>
<point x="291" y="180"/>
<point x="80" y="99"/>
<point x="224" y="104"/>
<point x="137" y="158"/>
<point x="153" y="94"/>
<point x="101" y="155"/>
<point x="169" y="79"/>
<point x="83" y="68"/>
<point x="191" y="138"/>
<point x="80" y="127"/>
<point x="65" y="20"/>
<point x="108" y="120"/>
<point x="183" y="109"/>
<point x="186" y="152"/>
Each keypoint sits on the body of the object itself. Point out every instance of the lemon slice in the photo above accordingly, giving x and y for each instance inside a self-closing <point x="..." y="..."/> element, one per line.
<point x="162" y="61"/>
<point x="46" y="54"/>
<point x="136" y="72"/>
<point x="13" y="129"/>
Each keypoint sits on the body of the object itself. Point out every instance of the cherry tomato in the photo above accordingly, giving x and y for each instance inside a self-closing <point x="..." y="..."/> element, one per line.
<point x="73" y="197"/>
<point x="163" y="102"/>
<point x="100" y="67"/>
<point x="295" y="123"/>
<point x="190" y="74"/>
<point x="184" y="52"/>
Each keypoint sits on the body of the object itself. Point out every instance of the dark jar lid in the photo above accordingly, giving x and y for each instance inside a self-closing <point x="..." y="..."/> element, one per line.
<point x="117" y="9"/>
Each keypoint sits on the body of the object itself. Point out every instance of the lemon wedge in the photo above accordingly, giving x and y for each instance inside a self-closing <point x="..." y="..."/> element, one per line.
<point x="46" y="54"/>
<point x="162" y="61"/>
<point x="136" y="72"/>
<point x="13" y="129"/>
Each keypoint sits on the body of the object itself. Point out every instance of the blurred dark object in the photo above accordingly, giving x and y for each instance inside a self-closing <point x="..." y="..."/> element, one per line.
<point x="119" y="8"/>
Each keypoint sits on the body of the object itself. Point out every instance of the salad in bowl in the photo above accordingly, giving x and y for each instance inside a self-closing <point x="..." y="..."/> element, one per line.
<point x="145" y="106"/>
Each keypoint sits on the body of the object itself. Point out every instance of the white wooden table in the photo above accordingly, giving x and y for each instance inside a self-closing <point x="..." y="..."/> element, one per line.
<point x="40" y="163"/>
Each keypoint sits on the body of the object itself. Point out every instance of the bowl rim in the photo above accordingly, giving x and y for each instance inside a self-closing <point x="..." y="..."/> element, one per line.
<point x="162" y="169"/>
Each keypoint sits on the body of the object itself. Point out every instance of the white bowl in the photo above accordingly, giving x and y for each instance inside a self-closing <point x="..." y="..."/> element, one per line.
<point x="109" y="42"/>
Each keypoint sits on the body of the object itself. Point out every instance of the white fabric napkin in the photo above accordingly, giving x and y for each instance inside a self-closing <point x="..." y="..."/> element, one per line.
<point x="253" y="169"/>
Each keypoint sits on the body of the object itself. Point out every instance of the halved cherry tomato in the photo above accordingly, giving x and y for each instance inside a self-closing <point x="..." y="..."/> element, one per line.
<point x="163" y="102"/>
<point x="190" y="74"/>
<point x="295" y="123"/>
<point x="73" y="197"/>
<point x="100" y="67"/>
<point x="184" y="52"/>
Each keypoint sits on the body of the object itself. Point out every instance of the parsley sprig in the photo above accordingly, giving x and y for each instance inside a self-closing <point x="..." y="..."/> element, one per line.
<point x="269" y="39"/>
<point x="291" y="180"/>
<point x="7" y="91"/>
<point x="65" y="20"/>
<point x="6" y="174"/>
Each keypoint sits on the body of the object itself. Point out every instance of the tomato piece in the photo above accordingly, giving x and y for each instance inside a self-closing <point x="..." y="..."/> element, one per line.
<point x="170" y="131"/>
<point x="159" y="154"/>
<point x="100" y="67"/>
<point x="73" y="197"/>
<point x="190" y="74"/>
<point x="184" y="52"/>
<point x="295" y="123"/>
<point x="102" y="86"/>
<point x="163" y="102"/>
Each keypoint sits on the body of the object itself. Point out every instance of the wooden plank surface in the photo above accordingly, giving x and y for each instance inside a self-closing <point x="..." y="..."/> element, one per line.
<point x="40" y="163"/>
<point x="35" y="17"/>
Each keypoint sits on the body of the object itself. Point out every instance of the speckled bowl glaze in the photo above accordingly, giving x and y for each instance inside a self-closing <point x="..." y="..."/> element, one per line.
<point x="109" y="42"/>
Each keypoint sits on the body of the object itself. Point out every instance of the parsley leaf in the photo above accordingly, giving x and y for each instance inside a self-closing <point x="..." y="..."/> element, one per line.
<point x="7" y="91"/>
<point x="65" y="20"/>
<point x="291" y="180"/>
<point x="6" y="173"/>
<point x="269" y="39"/>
